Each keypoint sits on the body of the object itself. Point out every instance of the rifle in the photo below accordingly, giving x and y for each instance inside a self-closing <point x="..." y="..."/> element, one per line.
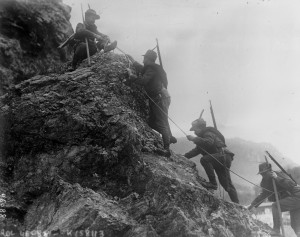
<point x="201" y="114"/>
<point x="213" y="115"/>
<point x="86" y="41"/>
<point x="215" y="126"/>
<point x="158" y="51"/>
<point x="282" y="169"/>
<point x="67" y="41"/>
<point x="277" y="202"/>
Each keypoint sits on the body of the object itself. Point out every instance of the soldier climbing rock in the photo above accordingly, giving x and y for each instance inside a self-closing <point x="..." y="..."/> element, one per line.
<point x="88" y="30"/>
<point x="210" y="143"/>
<point x="288" y="194"/>
<point x="154" y="79"/>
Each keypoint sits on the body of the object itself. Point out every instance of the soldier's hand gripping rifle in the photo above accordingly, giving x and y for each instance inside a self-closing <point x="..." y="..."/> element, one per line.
<point x="282" y="169"/>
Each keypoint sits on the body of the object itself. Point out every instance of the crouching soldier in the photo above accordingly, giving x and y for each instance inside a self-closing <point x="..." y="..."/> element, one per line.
<point x="154" y="79"/>
<point x="210" y="143"/>
<point x="288" y="194"/>
<point x="89" y="31"/>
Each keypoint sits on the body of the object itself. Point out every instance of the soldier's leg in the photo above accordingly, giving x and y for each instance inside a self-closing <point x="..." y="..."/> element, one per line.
<point x="295" y="221"/>
<point x="166" y="104"/>
<point x="100" y="44"/>
<point x="225" y="178"/>
<point x="286" y="204"/>
<point x="79" y="54"/>
<point x="207" y="163"/>
<point x="92" y="49"/>
<point x="152" y="121"/>
<point x="105" y="45"/>
<point x="157" y="121"/>
<point x="163" y="123"/>
<point x="230" y="188"/>
<point x="110" y="46"/>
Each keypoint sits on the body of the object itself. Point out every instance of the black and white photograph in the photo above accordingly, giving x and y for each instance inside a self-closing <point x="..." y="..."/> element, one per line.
<point x="149" y="118"/>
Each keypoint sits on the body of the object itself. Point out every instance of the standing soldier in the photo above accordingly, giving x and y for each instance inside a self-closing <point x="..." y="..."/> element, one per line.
<point x="154" y="80"/>
<point x="88" y="30"/>
<point x="210" y="143"/>
<point x="288" y="194"/>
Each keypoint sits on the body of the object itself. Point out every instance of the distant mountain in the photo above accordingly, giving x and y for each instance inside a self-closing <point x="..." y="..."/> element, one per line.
<point x="248" y="155"/>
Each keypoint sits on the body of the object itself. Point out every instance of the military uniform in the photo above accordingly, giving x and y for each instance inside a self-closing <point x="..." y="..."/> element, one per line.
<point x="218" y="159"/>
<point x="154" y="79"/>
<point x="289" y="198"/>
<point x="88" y="30"/>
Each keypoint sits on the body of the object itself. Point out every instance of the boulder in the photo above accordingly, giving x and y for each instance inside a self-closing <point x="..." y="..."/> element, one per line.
<point x="30" y="32"/>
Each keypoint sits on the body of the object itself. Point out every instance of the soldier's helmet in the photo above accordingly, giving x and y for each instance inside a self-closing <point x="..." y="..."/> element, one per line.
<point x="264" y="167"/>
<point x="198" y="123"/>
<point x="152" y="55"/>
<point x="91" y="12"/>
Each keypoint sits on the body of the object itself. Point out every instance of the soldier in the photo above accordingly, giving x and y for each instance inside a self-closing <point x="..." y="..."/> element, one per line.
<point x="154" y="80"/>
<point x="89" y="30"/>
<point x="210" y="143"/>
<point x="288" y="194"/>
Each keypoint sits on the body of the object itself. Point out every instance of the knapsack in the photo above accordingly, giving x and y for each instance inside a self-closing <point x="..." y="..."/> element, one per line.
<point x="215" y="131"/>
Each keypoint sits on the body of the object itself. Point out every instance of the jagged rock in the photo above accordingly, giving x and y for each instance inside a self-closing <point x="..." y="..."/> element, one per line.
<point x="30" y="32"/>
<point x="79" y="156"/>
<point x="71" y="208"/>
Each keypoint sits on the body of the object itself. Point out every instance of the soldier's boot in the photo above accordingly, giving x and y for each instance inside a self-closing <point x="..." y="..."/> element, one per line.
<point x="233" y="195"/>
<point x="275" y="233"/>
<point x="209" y="185"/>
<point x="168" y="152"/>
<point x="212" y="184"/>
<point x="173" y="140"/>
<point x="110" y="47"/>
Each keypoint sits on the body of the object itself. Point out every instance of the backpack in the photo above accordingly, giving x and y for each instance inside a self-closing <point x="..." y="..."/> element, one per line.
<point x="215" y="131"/>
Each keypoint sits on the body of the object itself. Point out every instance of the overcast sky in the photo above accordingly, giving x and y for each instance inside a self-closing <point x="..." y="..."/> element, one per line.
<point x="244" y="56"/>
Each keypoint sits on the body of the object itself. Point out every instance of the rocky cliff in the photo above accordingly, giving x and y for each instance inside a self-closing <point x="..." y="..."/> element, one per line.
<point x="78" y="159"/>
<point x="78" y="155"/>
<point x="30" y="32"/>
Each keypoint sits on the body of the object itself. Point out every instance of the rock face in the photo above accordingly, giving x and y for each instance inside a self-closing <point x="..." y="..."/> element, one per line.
<point x="77" y="155"/>
<point x="79" y="158"/>
<point x="30" y="32"/>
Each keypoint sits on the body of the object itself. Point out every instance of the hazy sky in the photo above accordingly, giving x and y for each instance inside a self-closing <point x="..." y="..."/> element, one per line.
<point x="242" y="55"/>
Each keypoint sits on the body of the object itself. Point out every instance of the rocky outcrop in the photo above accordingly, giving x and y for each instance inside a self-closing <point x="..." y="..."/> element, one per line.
<point x="30" y="32"/>
<point x="77" y="155"/>
<point x="79" y="159"/>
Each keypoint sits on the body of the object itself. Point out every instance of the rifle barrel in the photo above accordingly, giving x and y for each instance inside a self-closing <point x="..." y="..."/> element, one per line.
<point x="213" y="115"/>
<point x="86" y="40"/>
<point x="201" y="113"/>
<point x="282" y="169"/>
<point x="66" y="41"/>
<point x="158" y="51"/>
